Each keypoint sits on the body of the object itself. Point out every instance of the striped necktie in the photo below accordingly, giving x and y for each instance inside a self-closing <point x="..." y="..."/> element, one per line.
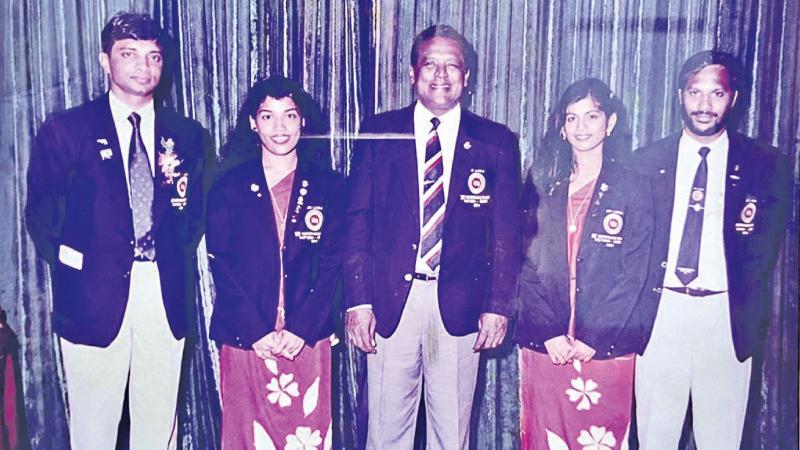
<point x="432" y="199"/>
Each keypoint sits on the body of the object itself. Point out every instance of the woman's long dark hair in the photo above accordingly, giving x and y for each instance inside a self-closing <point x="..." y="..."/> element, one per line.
<point x="553" y="158"/>
<point x="243" y="143"/>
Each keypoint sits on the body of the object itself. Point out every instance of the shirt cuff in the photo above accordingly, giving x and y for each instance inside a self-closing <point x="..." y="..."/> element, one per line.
<point x="364" y="306"/>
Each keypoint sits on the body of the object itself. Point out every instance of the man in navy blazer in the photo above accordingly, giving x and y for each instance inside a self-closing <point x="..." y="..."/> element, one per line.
<point x="114" y="206"/>
<point x="432" y="248"/>
<point x="722" y="219"/>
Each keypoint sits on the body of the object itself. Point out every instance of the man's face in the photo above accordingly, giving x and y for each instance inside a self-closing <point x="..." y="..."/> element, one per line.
<point x="134" y="68"/>
<point x="439" y="75"/>
<point x="707" y="99"/>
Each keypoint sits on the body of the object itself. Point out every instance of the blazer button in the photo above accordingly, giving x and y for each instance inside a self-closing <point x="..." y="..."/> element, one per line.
<point x="663" y="264"/>
<point x="578" y="259"/>
<point x="608" y="353"/>
<point x="578" y="290"/>
<point x="407" y="277"/>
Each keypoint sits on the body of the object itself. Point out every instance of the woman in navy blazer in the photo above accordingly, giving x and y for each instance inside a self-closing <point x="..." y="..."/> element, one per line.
<point x="274" y="246"/>
<point x="583" y="273"/>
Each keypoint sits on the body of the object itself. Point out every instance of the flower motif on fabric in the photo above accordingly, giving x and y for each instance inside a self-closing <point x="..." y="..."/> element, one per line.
<point x="597" y="438"/>
<point x="282" y="389"/>
<point x="303" y="439"/>
<point x="168" y="160"/>
<point x="583" y="392"/>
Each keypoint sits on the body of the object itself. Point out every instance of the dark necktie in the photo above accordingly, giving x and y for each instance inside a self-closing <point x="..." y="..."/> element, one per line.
<point x="141" y="181"/>
<point x="689" y="252"/>
<point x="432" y="199"/>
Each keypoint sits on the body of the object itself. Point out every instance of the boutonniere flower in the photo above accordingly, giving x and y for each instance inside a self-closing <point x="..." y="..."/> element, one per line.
<point x="168" y="161"/>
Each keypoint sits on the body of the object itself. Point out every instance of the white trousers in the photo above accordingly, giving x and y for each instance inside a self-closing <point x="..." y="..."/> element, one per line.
<point x="691" y="353"/>
<point x="145" y="356"/>
<point x="420" y="349"/>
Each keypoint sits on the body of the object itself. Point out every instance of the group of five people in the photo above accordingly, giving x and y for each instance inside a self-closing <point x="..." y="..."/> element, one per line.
<point x="438" y="242"/>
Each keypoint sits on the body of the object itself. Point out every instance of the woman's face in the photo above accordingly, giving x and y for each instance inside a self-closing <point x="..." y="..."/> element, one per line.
<point x="586" y="125"/>
<point x="277" y="123"/>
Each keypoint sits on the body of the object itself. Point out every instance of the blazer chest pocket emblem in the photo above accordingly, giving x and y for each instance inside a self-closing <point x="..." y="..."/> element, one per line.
<point x="747" y="217"/>
<point x="612" y="226"/>
<point x="181" y="186"/>
<point x="313" y="219"/>
<point x="476" y="184"/>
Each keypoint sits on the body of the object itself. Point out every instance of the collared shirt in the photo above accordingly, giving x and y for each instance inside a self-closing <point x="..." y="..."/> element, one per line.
<point x="712" y="273"/>
<point x="448" y="133"/>
<point x="120" y="112"/>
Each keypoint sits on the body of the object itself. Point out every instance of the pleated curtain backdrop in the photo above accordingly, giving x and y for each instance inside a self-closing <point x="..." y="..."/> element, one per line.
<point x="353" y="57"/>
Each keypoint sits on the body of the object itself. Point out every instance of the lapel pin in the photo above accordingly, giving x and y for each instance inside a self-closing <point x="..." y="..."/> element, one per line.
<point x="304" y="183"/>
<point x="735" y="177"/>
<point x="662" y="170"/>
<point x="102" y="141"/>
<point x="736" y="168"/>
<point x="106" y="153"/>
<point x="303" y="191"/>
<point x="467" y="145"/>
<point x="254" y="187"/>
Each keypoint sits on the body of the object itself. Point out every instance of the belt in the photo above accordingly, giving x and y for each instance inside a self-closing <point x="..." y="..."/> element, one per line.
<point x="425" y="277"/>
<point x="693" y="292"/>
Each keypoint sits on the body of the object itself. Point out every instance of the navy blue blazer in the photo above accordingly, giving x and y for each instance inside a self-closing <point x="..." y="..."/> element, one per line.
<point x="244" y="254"/>
<point x="481" y="236"/>
<point x="758" y="181"/>
<point x="611" y="266"/>
<point x="78" y="200"/>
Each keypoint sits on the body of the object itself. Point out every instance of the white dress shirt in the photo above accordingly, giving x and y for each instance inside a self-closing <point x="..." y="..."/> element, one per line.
<point x="448" y="133"/>
<point x="712" y="273"/>
<point x="120" y="112"/>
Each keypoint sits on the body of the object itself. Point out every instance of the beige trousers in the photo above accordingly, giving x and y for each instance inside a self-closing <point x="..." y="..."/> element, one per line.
<point x="421" y="349"/>
<point x="144" y="356"/>
<point x="691" y="354"/>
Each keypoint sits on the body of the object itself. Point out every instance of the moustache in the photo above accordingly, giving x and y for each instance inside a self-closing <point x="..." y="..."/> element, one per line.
<point x="703" y="113"/>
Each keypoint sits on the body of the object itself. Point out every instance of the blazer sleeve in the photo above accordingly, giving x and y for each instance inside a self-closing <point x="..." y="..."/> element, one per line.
<point x="505" y="236"/>
<point x="624" y="302"/>
<point x="47" y="180"/>
<point x="313" y="313"/>
<point x="357" y="264"/>
<point x="538" y="321"/>
<point x="231" y="299"/>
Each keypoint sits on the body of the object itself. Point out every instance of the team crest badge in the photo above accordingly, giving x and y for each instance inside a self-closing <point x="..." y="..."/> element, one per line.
<point x="612" y="223"/>
<point x="314" y="219"/>
<point x="476" y="183"/>
<point x="748" y="214"/>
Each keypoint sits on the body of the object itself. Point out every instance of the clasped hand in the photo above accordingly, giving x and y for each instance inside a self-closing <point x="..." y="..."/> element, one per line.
<point x="279" y="343"/>
<point x="564" y="349"/>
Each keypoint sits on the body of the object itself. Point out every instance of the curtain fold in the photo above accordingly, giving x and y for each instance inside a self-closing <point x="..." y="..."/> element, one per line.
<point x="353" y="57"/>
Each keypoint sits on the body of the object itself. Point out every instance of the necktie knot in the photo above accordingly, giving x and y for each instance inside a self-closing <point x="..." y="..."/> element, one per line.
<point x="134" y="119"/>
<point x="435" y="122"/>
<point x="704" y="152"/>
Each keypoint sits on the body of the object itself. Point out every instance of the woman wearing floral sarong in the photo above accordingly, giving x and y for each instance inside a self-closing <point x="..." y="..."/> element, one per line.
<point x="581" y="281"/>
<point x="274" y="247"/>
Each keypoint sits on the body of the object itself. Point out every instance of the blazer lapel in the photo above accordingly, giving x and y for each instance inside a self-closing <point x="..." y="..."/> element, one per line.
<point x="105" y="146"/>
<point x="459" y="172"/>
<point x="163" y="188"/>
<point x="406" y="162"/>
<point x="736" y="178"/>
<point x="294" y="212"/>
<point x="664" y="179"/>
